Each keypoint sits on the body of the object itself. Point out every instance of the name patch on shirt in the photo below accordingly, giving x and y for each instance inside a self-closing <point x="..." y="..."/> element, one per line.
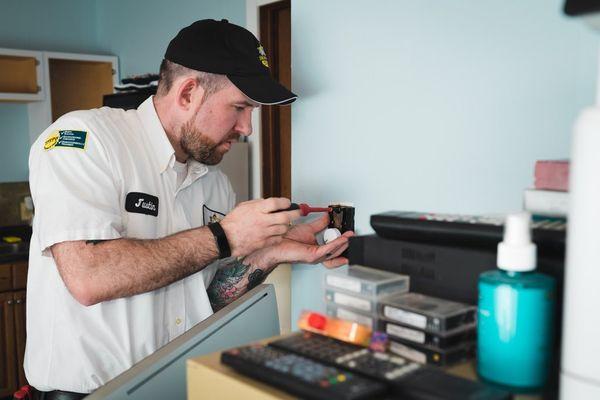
<point x="67" y="138"/>
<point x="141" y="203"/>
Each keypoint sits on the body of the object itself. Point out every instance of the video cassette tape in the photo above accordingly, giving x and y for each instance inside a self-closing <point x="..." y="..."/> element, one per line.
<point x="351" y="301"/>
<point x="440" y="340"/>
<point x="370" y="320"/>
<point x="428" y="313"/>
<point x="366" y="282"/>
<point x="431" y="355"/>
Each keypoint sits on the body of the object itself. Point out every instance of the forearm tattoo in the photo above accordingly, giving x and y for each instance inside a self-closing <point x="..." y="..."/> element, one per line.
<point x="233" y="281"/>
<point x="255" y="278"/>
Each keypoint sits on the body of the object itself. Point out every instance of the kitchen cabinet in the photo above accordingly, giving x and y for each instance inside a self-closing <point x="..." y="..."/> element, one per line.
<point x="72" y="82"/>
<point x="8" y="362"/>
<point x="12" y="326"/>
<point x="54" y="83"/>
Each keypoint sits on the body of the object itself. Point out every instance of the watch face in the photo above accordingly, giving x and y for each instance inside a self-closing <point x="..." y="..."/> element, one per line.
<point x="580" y="7"/>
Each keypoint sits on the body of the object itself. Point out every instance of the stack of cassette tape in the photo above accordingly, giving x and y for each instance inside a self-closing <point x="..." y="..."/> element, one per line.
<point x="428" y="329"/>
<point x="355" y="293"/>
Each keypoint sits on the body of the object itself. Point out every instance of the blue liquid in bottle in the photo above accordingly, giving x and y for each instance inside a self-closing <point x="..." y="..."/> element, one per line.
<point x="515" y="337"/>
<point x="516" y="314"/>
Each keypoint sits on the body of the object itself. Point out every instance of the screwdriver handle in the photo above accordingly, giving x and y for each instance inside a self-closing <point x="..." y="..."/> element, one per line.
<point x="304" y="208"/>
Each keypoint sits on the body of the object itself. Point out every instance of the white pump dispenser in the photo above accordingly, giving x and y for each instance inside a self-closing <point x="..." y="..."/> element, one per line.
<point x="517" y="252"/>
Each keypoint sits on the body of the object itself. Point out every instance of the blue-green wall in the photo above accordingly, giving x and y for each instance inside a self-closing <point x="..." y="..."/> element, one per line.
<point x="14" y="136"/>
<point x="136" y="31"/>
<point x="58" y="25"/>
<point x="430" y="105"/>
<point x="139" y="31"/>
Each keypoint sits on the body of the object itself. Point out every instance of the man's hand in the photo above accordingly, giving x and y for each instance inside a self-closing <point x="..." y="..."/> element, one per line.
<point x="299" y="245"/>
<point x="253" y="225"/>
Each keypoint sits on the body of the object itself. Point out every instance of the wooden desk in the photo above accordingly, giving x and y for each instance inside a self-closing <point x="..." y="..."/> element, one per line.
<point x="208" y="379"/>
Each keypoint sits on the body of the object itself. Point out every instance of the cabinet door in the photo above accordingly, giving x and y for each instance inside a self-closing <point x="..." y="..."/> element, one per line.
<point x="20" y="336"/>
<point x="19" y="275"/>
<point x="8" y="373"/>
<point x="6" y="280"/>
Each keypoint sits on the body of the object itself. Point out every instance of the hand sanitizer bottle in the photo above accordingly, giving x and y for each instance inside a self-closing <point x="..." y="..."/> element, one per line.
<point x="516" y="313"/>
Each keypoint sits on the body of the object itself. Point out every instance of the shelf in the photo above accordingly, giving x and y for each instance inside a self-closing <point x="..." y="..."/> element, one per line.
<point x="78" y="85"/>
<point x="20" y="76"/>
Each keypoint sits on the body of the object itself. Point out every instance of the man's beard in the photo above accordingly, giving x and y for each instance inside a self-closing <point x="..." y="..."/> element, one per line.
<point x="199" y="147"/>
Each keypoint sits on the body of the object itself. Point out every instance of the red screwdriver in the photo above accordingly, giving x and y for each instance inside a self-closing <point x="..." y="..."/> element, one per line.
<point x="305" y="209"/>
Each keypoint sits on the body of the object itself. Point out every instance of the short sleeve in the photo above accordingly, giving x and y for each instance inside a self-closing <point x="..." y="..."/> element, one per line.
<point x="72" y="185"/>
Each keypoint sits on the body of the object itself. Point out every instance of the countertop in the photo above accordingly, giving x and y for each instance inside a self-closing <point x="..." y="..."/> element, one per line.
<point x="10" y="252"/>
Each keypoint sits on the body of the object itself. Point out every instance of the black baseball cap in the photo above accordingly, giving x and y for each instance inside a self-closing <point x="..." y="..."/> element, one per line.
<point x="223" y="48"/>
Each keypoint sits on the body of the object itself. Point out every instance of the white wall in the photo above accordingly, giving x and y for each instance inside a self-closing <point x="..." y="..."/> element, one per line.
<point x="431" y="105"/>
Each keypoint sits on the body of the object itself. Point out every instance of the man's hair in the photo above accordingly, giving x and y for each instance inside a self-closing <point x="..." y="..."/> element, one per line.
<point x="170" y="71"/>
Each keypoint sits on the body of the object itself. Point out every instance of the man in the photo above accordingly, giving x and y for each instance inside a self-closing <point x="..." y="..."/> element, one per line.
<point x="136" y="238"/>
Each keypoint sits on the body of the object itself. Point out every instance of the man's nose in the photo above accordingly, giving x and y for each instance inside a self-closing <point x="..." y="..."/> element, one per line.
<point x="244" y="123"/>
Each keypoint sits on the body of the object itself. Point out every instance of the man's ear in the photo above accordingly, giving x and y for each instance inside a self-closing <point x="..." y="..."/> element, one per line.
<point x="189" y="93"/>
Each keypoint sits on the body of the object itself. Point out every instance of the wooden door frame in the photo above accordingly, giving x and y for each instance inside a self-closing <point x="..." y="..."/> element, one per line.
<point x="276" y="120"/>
<point x="281" y="277"/>
<point x="253" y="24"/>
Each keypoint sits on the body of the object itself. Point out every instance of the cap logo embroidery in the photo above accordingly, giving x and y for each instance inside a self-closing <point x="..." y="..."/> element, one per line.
<point x="262" y="56"/>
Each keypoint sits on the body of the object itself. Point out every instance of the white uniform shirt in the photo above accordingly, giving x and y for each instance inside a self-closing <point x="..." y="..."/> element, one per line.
<point x="108" y="174"/>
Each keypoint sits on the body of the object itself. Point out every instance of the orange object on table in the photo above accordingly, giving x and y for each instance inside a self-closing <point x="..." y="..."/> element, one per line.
<point x="340" y="329"/>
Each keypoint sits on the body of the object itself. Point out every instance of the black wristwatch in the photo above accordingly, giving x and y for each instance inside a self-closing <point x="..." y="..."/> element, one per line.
<point x="221" y="238"/>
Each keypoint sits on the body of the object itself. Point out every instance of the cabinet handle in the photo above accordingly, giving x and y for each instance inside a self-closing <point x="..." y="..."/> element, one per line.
<point x="19" y="301"/>
<point x="9" y="302"/>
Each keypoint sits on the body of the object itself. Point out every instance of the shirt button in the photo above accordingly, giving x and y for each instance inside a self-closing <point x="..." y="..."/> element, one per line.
<point x="178" y="321"/>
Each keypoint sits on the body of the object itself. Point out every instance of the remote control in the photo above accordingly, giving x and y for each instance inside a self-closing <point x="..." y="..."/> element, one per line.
<point x="405" y="378"/>
<point x="381" y="366"/>
<point x="300" y="375"/>
<point x="474" y="230"/>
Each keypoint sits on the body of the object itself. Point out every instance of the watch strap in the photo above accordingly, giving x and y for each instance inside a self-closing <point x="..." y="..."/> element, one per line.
<point x="221" y="238"/>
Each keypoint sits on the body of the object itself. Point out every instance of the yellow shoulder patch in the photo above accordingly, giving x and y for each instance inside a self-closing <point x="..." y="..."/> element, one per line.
<point x="66" y="138"/>
<point x="51" y="140"/>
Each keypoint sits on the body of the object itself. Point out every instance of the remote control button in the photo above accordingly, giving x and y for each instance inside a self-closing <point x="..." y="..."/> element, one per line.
<point x="392" y="374"/>
<point x="398" y="360"/>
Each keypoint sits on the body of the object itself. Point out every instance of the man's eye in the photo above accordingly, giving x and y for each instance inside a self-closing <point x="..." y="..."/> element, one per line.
<point x="239" y="108"/>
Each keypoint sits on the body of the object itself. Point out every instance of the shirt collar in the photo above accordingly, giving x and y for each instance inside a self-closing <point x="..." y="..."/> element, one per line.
<point x="159" y="142"/>
<point x="157" y="137"/>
